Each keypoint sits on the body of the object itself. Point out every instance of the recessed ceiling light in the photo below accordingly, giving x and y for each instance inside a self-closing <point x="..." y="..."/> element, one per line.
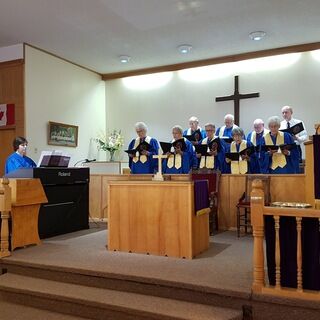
<point x="185" y="48"/>
<point x="257" y="35"/>
<point x="124" y="59"/>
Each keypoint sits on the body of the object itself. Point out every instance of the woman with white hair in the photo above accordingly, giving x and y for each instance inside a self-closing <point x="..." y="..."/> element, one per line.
<point x="182" y="157"/>
<point x="143" y="149"/>
<point x="280" y="153"/>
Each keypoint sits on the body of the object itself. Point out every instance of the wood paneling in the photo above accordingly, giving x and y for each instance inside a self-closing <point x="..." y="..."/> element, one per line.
<point x="283" y="188"/>
<point x="11" y="91"/>
<point x="155" y="218"/>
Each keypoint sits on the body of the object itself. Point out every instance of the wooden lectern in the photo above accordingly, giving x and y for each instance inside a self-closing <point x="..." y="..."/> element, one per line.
<point x="155" y="217"/>
<point x="26" y="196"/>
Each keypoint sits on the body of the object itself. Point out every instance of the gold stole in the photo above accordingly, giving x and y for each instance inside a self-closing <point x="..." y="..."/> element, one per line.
<point x="278" y="158"/>
<point x="241" y="166"/>
<point x="206" y="161"/>
<point x="254" y="136"/>
<point x="140" y="157"/>
<point x="174" y="160"/>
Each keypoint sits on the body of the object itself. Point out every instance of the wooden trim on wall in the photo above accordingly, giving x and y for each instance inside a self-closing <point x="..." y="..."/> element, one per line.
<point x="11" y="63"/>
<point x="56" y="56"/>
<point x="211" y="61"/>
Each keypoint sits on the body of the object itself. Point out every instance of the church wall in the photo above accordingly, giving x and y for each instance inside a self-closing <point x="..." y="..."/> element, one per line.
<point x="174" y="102"/>
<point x="58" y="91"/>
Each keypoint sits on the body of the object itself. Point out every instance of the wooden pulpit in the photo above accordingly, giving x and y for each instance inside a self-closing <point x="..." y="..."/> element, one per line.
<point x="154" y="217"/>
<point x="26" y="196"/>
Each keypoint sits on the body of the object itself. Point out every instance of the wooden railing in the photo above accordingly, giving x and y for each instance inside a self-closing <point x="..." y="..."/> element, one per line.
<point x="5" y="208"/>
<point x="258" y="212"/>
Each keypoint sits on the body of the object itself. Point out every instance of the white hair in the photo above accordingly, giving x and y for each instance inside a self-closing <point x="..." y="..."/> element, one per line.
<point x="141" y="126"/>
<point x="274" y="120"/>
<point x="229" y="116"/>
<point x="287" y="108"/>
<point x="209" y="125"/>
<point x="238" y="131"/>
<point x="258" y="121"/>
<point x="177" y="127"/>
<point x="194" y="119"/>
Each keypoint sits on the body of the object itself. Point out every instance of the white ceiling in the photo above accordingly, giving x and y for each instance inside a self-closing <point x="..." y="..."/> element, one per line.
<point x="93" y="33"/>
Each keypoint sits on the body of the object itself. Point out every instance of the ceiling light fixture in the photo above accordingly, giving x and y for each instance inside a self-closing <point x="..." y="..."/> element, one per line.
<point x="124" y="59"/>
<point x="257" y="35"/>
<point x="185" y="48"/>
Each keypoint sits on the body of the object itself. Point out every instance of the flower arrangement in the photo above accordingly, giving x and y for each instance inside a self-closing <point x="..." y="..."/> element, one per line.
<point x="111" y="142"/>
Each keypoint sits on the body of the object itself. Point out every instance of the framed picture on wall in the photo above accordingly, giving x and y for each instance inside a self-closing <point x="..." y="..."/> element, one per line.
<point x="61" y="134"/>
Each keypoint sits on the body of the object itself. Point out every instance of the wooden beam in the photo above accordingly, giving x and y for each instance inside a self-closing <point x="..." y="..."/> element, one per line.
<point x="217" y="60"/>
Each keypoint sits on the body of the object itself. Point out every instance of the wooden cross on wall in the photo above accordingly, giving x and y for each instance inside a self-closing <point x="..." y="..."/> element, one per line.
<point x="236" y="97"/>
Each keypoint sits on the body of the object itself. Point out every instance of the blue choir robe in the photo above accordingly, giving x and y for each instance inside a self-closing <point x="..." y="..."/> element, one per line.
<point x="219" y="159"/>
<point x="234" y="147"/>
<point x="144" y="164"/>
<point x="291" y="162"/>
<point x="224" y="132"/>
<point x="16" y="161"/>
<point x="189" y="132"/>
<point x="256" y="140"/>
<point x="187" y="160"/>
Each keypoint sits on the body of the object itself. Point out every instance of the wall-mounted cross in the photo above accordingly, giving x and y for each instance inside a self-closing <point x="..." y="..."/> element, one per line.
<point x="236" y="97"/>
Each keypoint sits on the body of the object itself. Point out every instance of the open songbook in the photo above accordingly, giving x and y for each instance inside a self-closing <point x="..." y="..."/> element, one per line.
<point x="235" y="156"/>
<point x="212" y="145"/>
<point x="297" y="128"/>
<point x="141" y="147"/>
<point x="167" y="146"/>
<point x="195" y="136"/>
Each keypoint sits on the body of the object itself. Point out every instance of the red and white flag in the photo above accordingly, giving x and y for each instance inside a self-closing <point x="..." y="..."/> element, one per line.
<point x="6" y="114"/>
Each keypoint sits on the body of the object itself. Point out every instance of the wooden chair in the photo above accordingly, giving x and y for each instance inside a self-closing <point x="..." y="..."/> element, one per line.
<point x="213" y="177"/>
<point x="243" y="205"/>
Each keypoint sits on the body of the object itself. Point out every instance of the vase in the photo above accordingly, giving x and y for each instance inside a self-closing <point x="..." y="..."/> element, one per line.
<point x="111" y="155"/>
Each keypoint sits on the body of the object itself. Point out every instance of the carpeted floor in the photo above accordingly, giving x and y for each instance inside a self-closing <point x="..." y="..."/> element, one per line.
<point x="226" y="265"/>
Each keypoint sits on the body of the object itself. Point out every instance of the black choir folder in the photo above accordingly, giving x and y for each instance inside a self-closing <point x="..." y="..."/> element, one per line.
<point x="234" y="156"/>
<point x="141" y="147"/>
<point x="202" y="149"/>
<point x="166" y="146"/>
<point x="195" y="136"/>
<point x="297" y="128"/>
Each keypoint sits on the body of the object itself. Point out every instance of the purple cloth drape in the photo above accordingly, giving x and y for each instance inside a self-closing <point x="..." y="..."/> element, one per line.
<point x="201" y="195"/>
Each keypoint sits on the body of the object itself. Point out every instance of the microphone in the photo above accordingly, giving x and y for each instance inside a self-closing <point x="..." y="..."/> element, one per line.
<point x="84" y="161"/>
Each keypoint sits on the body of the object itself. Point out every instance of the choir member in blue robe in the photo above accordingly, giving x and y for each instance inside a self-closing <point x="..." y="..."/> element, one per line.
<point x="179" y="160"/>
<point x="215" y="158"/>
<point x="279" y="160"/>
<point x="226" y="130"/>
<point x="18" y="159"/>
<point x="142" y="161"/>
<point x="255" y="137"/>
<point x="193" y="129"/>
<point x="242" y="164"/>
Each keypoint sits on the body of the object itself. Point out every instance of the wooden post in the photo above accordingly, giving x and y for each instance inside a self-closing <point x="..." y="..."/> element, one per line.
<point x="5" y="208"/>
<point x="277" y="251"/>
<point x="158" y="176"/>
<point x="257" y="204"/>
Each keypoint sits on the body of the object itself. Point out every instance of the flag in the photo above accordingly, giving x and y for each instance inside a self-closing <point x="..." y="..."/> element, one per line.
<point x="6" y="114"/>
